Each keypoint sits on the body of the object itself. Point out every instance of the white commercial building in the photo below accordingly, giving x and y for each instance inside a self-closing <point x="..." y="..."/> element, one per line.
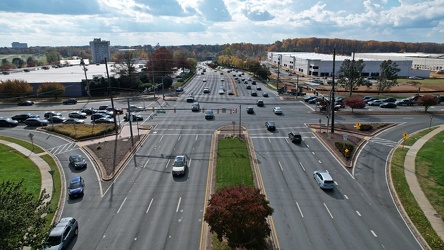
<point x="433" y="62"/>
<point x="100" y="50"/>
<point x="319" y="65"/>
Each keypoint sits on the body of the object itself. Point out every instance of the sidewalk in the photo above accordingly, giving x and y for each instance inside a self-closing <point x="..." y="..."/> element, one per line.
<point x="410" y="175"/>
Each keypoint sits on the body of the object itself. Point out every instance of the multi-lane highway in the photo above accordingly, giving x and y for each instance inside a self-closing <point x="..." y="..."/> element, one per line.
<point x="147" y="208"/>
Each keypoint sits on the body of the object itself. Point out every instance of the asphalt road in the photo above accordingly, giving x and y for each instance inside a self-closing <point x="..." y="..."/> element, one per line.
<point x="146" y="207"/>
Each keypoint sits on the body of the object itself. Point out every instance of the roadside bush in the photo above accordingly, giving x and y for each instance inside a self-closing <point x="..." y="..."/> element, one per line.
<point x="365" y="127"/>
<point x="82" y="131"/>
<point x="342" y="146"/>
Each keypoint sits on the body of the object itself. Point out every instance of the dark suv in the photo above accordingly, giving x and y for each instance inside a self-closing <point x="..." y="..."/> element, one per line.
<point x="295" y="138"/>
<point x="23" y="117"/>
<point x="62" y="234"/>
<point x="77" y="161"/>
<point x="70" y="101"/>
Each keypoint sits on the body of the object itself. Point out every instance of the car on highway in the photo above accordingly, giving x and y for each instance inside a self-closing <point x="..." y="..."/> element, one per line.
<point x="179" y="89"/>
<point x="253" y="93"/>
<point x="295" y="137"/>
<point x="270" y="125"/>
<point x="250" y="110"/>
<point x="7" y="122"/>
<point x="258" y="88"/>
<point x="209" y="115"/>
<point x="77" y="114"/>
<point x="221" y="91"/>
<point x="277" y="110"/>
<point x="56" y="119"/>
<point x="180" y="165"/>
<point x="195" y="107"/>
<point x="25" y="103"/>
<point x="70" y="101"/>
<point x="51" y="113"/>
<point x="248" y="87"/>
<point x="406" y="102"/>
<point x="135" y="108"/>
<point x="375" y="103"/>
<point x="23" y="117"/>
<point x="260" y="103"/>
<point x="390" y="105"/>
<point x="206" y="90"/>
<point x="61" y="235"/>
<point x="324" y="179"/>
<point x="105" y="119"/>
<point x="77" y="161"/>
<point x="74" y="121"/>
<point x="265" y="94"/>
<point x="76" y="187"/>
<point x="104" y="107"/>
<point x="190" y="98"/>
<point x="88" y="111"/>
<point x="37" y="121"/>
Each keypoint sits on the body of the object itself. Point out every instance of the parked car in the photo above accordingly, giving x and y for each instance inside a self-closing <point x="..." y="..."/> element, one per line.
<point x="25" y="103"/>
<point x="277" y="110"/>
<point x="74" y="121"/>
<point x="23" y="117"/>
<point x="294" y="137"/>
<point x="51" y="113"/>
<point x="250" y="110"/>
<point x="260" y="103"/>
<point x="56" y="119"/>
<point x="180" y="165"/>
<point x="389" y="99"/>
<point x="62" y="234"/>
<point x="105" y="119"/>
<point x="313" y="100"/>
<point x="88" y="111"/>
<point x="115" y="110"/>
<point x="77" y="114"/>
<point x="270" y="125"/>
<point x="387" y="105"/>
<point x="7" y="122"/>
<point x="195" y="107"/>
<point x="209" y="115"/>
<point x="77" y="161"/>
<point x="70" y="101"/>
<point x="105" y="112"/>
<point x="375" y="102"/>
<point x="37" y="121"/>
<point x="416" y="78"/>
<point x="104" y="107"/>
<point x="76" y="187"/>
<point x="98" y="115"/>
<point x="367" y="101"/>
<point x="179" y="89"/>
<point x="324" y="179"/>
<point x="406" y="102"/>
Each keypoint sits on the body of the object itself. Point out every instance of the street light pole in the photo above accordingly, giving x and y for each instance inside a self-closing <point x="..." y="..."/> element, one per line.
<point x="332" y="106"/>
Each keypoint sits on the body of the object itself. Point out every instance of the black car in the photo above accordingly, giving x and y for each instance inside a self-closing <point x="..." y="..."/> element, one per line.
<point x="108" y="120"/>
<point x="70" y="101"/>
<point x="76" y="187"/>
<point x="254" y="93"/>
<point x="294" y="137"/>
<point x="209" y="115"/>
<point x="250" y="110"/>
<point x="77" y="161"/>
<point x="36" y="122"/>
<point x="308" y="98"/>
<point x="57" y="119"/>
<point x="7" y="122"/>
<point x="88" y="111"/>
<point x="51" y="113"/>
<point x="135" y="117"/>
<point x="23" y="117"/>
<point x="260" y="103"/>
<point x="406" y="102"/>
<point x="25" y="103"/>
<point x="248" y="87"/>
<point x="389" y="99"/>
<point x="270" y="125"/>
<point x="387" y="105"/>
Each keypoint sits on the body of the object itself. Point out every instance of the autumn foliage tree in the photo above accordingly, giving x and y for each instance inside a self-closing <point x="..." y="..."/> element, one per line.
<point x="354" y="102"/>
<point x="238" y="214"/>
<point x="427" y="101"/>
<point x="22" y="216"/>
<point x="15" y="88"/>
<point x="51" y="89"/>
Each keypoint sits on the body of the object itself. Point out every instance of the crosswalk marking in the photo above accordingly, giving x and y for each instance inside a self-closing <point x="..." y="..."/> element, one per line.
<point x="384" y="142"/>
<point x="63" y="148"/>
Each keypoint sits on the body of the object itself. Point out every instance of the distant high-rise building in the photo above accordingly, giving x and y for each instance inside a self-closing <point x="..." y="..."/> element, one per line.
<point x="99" y="50"/>
<point x="17" y="45"/>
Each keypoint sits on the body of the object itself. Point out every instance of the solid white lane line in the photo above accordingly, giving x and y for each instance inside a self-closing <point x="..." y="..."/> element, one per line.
<point x="146" y="163"/>
<point x="320" y="161"/>
<point x="302" y="166"/>
<point x="148" y="209"/>
<point x="358" y="213"/>
<point x="196" y="137"/>
<point x="308" y="145"/>
<point x="313" y="152"/>
<point x="178" y="204"/>
<point x="280" y="166"/>
<point x="269" y="140"/>
<point x="373" y="233"/>
<point x="189" y="163"/>
<point x="161" y="138"/>
<point x="178" y="139"/>
<point x="121" y="205"/>
<point x="328" y="210"/>
<point x="168" y="163"/>
<point x="300" y="211"/>
<point x="336" y="183"/>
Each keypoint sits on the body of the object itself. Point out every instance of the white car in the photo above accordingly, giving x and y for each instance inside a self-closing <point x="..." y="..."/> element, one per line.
<point x="180" y="165"/>
<point x="324" y="179"/>
<point x="277" y="110"/>
<point x="221" y="91"/>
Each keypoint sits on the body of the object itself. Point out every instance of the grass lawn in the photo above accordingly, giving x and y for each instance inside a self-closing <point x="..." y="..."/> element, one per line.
<point x="233" y="163"/>
<point x="406" y="197"/>
<point x="24" y="144"/>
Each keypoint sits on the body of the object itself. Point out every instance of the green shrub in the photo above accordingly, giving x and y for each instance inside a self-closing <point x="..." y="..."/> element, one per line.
<point x="365" y="127"/>
<point x="342" y="146"/>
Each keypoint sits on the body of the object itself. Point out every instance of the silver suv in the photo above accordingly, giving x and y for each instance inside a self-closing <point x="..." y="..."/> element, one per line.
<point x="180" y="165"/>
<point x="62" y="234"/>
<point x="324" y="179"/>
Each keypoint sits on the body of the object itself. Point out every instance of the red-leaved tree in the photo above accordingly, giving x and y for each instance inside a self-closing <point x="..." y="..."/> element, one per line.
<point x="427" y="101"/>
<point x="354" y="102"/>
<point x="15" y="88"/>
<point x="238" y="214"/>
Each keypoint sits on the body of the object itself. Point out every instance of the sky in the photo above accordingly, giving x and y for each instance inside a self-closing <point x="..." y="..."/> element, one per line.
<point x="212" y="22"/>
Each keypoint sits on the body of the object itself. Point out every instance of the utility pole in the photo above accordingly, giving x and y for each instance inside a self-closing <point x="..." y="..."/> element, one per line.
<point x="332" y="106"/>
<point x="82" y="63"/>
<point x="130" y="122"/>
<point x="152" y="73"/>
<point x="111" y="95"/>
<point x="352" y="73"/>
<point x="279" y="65"/>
